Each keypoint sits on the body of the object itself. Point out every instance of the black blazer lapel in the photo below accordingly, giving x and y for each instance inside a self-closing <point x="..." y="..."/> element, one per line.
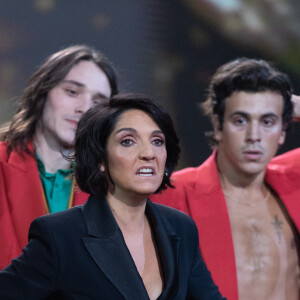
<point x="168" y="244"/>
<point x="108" y="249"/>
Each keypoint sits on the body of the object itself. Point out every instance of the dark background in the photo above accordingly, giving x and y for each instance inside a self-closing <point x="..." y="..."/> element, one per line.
<point x="168" y="49"/>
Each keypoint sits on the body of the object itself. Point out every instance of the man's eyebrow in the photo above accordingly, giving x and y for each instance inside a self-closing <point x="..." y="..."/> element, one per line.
<point x="240" y="113"/>
<point x="270" y="114"/>
<point x="73" y="82"/>
<point x="101" y="95"/>
<point x="246" y="115"/>
<point x="79" y="84"/>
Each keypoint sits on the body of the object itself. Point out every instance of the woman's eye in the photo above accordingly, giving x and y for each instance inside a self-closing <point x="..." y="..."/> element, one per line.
<point x="127" y="142"/>
<point x="158" y="142"/>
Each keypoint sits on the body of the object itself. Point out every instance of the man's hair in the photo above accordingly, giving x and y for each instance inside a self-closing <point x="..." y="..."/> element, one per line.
<point x="22" y="127"/>
<point x="246" y="75"/>
<point x="93" y="132"/>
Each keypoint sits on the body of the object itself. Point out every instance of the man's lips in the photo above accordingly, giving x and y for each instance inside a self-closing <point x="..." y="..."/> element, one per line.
<point x="72" y="122"/>
<point x="252" y="154"/>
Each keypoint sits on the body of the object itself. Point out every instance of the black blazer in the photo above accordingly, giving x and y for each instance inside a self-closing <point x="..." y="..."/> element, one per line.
<point x="81" y="254"/>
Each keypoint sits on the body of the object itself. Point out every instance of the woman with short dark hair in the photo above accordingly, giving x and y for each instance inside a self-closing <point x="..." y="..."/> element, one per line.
<point x="93" y="133"/>
<point x="118" y="245"/>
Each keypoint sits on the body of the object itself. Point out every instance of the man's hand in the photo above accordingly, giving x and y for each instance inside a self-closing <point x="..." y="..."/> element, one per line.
<point x="296" y="113"/>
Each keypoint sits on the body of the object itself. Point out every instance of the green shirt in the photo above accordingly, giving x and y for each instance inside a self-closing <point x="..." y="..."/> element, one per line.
<point x="57" y="187"/>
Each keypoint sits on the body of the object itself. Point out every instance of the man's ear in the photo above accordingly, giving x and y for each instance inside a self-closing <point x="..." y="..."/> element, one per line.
<point x="282" y="137"/>
<point x="216" y="127"/>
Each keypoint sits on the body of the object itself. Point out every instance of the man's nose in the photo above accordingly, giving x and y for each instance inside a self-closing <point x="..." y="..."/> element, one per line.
<point x="253" y="132"/>
<point x="83" y="104"/>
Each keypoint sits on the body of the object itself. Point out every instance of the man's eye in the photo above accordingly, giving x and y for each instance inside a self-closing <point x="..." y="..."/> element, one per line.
<point x="268" y="122"/>
<point x="158" y="142"/>
<point x="100" y="100"/>
<point x="240" y="121"/>
<point x="71" y="92"/>
<point x="127" y="142"/>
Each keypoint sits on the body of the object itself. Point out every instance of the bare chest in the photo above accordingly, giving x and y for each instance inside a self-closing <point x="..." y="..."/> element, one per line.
<point x="266" y="255"/>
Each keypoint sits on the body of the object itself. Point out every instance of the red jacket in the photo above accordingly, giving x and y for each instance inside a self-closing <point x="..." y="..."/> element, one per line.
<point x="198" y="193"/>
<point x="21" y="201"/>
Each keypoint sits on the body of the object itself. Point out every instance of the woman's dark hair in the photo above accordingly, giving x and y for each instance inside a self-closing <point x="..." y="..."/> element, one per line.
<point x="248" y="75"/>
<point x="56" y="67"/>
<point x="93" y="132"/>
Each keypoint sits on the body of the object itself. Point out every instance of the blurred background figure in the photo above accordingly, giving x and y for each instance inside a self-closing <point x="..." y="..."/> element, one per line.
<point x="35" y="177"/>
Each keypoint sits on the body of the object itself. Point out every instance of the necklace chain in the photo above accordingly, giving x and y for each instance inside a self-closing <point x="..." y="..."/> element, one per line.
<point x="245" y="203"/>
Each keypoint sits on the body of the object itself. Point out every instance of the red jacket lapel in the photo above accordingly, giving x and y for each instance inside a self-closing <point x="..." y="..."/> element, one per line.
<point x="283" y="174"/>
<point x="24" y="192"/>
<point x="208" y="209"/>
<point x="198" y="193"/>
<point x="22" y="197"/>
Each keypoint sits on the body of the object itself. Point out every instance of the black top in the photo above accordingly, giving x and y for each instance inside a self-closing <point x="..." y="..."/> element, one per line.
<point x="81" y="254"/>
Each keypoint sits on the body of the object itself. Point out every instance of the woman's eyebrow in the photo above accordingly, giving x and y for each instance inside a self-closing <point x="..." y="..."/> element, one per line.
<point x="134" y="130"/>
<point x="157" y="132"/>
<point x="126" y="129"/>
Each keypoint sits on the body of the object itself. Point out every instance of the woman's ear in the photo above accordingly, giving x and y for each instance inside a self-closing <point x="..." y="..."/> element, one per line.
<point x="102" y="167"/>
<point x="216" y="127"/>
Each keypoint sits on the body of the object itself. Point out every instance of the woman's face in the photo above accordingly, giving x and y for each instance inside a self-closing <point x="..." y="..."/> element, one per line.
<point x="136" y="154"/>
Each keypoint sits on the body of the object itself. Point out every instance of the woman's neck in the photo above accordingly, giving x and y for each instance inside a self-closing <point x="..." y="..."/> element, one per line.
<point x="129" y="213"/>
